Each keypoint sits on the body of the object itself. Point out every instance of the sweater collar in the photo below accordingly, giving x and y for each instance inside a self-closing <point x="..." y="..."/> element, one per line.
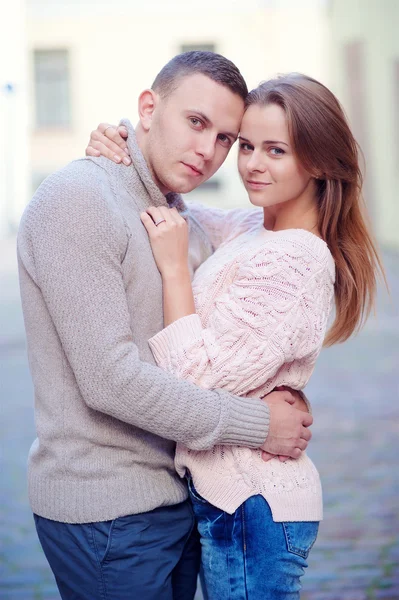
<point x="139" y="167"/>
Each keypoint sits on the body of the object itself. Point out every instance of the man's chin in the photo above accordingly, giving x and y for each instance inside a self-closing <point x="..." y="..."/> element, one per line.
<point x="184" y="187"/>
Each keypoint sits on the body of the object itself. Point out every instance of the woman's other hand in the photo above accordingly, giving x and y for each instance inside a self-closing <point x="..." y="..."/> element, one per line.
<point x="168" y="233"/>
<point x="109" y="141"/>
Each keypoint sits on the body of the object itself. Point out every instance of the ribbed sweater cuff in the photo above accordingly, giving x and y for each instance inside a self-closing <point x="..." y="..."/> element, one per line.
<point x="248" y="423"/>
<point x="182" y="332"/>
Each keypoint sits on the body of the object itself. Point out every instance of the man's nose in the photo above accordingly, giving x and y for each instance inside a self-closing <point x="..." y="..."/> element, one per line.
<point x="206" y="146"/>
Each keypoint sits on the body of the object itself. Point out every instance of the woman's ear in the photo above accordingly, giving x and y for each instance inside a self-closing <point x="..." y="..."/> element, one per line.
<point x="148" y="101"/>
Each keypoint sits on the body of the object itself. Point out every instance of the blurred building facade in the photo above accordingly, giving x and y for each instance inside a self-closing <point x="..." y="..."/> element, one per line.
<point x="88" y="60"/>
<point x="365" y="77"/>
<point x="14" y="133"/>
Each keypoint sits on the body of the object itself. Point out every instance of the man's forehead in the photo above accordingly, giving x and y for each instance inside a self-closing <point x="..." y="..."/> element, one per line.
<point x="198" y="93"/>
<point x="208" y="89"/>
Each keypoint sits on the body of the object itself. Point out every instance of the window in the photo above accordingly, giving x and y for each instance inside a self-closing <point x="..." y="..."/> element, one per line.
<point x="201" y="47"/>
<point x="52" y="88"/>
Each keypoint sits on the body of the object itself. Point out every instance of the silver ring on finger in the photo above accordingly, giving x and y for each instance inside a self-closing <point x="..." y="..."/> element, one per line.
<point x="159" y="222"/>
<point x="106" y="129"/>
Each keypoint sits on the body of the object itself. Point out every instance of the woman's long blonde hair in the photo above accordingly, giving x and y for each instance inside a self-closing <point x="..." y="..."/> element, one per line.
<point x="326" y="148"/>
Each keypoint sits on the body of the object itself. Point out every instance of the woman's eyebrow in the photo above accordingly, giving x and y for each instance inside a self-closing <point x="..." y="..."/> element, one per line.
<point x="274" y="142"/>
<point x="265" y="141"/>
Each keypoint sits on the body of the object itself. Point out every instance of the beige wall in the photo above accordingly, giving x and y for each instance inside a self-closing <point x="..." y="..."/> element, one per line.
<point x="374" y="26"/>
<point x="114" y="57"/>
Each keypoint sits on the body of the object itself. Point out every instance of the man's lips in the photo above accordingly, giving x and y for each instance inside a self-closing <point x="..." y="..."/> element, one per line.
<point x="193" y="169"/>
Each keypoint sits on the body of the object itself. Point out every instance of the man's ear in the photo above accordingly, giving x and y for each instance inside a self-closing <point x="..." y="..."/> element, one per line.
<point x="148" y="101"/>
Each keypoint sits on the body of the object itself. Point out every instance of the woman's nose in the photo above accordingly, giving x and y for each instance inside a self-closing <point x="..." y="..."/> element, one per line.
<point x="256" y="163"/>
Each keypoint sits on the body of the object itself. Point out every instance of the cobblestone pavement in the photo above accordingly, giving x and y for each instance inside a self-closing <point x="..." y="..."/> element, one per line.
<point x="355" y="445"/>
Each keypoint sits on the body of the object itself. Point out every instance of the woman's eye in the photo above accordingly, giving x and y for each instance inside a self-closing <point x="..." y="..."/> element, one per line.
<point x="245" y="147"/>
<point x="277" y="151"/>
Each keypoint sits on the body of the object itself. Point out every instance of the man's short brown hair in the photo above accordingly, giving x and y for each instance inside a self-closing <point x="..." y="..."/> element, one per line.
<point x="212" y="65"/>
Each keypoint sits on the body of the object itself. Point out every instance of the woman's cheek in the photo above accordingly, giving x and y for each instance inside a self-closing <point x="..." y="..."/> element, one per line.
<point x="241" y="165"/>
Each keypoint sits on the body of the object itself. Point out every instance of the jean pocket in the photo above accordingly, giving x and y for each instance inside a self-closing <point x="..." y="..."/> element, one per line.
<point x="101" y="533"/>
<point x="300" y="536"/>
<point x="194" y="495"/>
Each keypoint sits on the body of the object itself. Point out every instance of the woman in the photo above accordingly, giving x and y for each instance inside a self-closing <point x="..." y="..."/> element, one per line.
<point x="255" y="317"/>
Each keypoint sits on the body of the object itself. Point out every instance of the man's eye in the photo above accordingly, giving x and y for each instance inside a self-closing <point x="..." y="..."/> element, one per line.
<point x="224" y="139"/>
<point x="196" y="122"/>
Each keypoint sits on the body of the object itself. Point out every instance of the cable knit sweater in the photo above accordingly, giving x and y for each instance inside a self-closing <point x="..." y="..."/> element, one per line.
<point x="263" y="300"/>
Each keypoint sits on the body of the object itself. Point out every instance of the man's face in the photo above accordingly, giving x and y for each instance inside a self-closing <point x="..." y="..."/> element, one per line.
<point x="191" y="133"/>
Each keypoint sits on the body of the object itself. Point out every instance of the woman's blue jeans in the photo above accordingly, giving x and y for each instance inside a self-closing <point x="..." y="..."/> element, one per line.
<point x="246" y="555"/>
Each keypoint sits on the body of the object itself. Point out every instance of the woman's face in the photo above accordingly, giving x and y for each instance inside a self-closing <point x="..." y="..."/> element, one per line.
<point x="271" y="173"/>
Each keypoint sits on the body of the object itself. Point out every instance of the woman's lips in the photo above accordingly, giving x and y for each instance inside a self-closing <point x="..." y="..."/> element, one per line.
<point x="257" y="185"/>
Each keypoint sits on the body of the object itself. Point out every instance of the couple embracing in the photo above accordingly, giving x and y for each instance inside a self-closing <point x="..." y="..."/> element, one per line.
<point x="169" y="343"/>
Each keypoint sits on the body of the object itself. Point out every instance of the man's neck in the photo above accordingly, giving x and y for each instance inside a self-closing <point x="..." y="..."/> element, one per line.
<point x="142" y="139"/>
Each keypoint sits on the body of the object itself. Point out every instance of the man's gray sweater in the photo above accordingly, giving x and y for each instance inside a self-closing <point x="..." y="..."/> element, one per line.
<point x="107" y="418"/>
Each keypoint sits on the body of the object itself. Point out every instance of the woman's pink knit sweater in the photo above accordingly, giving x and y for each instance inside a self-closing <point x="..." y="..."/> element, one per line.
<point x="263" y="300"/>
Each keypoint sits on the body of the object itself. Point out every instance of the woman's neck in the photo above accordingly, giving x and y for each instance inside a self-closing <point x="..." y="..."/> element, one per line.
<point x="300" y="213"/>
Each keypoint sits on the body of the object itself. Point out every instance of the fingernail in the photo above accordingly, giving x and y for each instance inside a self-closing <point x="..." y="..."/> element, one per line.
<point x="126" y="161"/>
<point x="117" y="158"/>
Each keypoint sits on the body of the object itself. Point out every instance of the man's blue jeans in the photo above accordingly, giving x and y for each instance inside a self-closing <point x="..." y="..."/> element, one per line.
<point x="150" y="556"/>
<point x="246" y="555"/>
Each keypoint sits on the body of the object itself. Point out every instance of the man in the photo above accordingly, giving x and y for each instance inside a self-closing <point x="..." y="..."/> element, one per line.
<point x="110" y="511"/>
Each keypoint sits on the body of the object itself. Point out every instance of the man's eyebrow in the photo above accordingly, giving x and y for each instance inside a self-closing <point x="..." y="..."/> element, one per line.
<point x="265" y="141"/>
<point x="201" y="114"/>
<point x="209" y="122"/>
